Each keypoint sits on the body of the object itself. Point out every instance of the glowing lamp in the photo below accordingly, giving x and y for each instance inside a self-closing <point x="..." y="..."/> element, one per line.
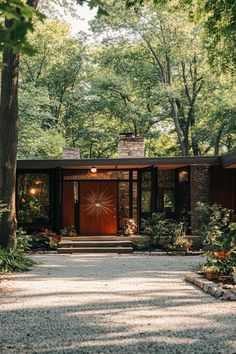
<point x="93" y="169"/>
<point x="183" y="173"/>
<point x="32" y="191"/>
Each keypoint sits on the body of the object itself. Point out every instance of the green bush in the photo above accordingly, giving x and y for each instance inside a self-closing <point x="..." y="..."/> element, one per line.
<point x="23" y="241"/>
<point x="181" y="243"/>
<point x="158" y="226"/>
<point x="14" y="261"/>
<point x="219" y="236"/>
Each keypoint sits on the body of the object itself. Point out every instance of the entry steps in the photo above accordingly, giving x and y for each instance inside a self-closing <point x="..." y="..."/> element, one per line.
<point x="95" y="245"/>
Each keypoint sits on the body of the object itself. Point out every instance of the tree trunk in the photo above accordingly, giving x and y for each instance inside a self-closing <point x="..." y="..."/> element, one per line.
<point x="9" y="126"/>
<point x="217" y="139"/>
<point x="174" y="113"/>
<point x="9" y="123"/>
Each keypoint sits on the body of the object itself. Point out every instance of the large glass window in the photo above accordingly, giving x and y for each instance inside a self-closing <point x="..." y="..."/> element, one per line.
<point x="100" y="174"/>
<point x="33" y="201"/>
<point x="183" y="196"/>
<point x="146" y="193"/>
<point x="166" y="192"/>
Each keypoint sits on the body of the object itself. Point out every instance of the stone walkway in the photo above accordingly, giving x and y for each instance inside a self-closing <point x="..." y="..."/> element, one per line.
<point x="112" y="304"/>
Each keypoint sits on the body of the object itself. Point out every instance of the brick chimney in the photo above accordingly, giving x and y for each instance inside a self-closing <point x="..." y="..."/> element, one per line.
<point x="71" y="153"/>
<point x="130" y="146"/>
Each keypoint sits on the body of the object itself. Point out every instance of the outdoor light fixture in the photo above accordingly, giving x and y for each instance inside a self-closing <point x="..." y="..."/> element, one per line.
<point x="93" y="169"/>
<point x="32" y="191"/>
<point x="183" y="173"/>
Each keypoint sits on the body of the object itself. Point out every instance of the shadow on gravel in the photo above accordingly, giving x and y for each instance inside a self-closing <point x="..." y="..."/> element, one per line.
<point x="83" y="329"/>
<point x="133" y="308"/>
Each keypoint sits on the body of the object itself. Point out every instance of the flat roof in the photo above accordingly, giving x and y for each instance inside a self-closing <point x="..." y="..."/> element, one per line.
<point x="229" y="160"/>
<point x="122" y="163"/>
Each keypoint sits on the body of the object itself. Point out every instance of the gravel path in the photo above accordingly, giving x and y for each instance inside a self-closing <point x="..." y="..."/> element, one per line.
<point x="112" y="304"/>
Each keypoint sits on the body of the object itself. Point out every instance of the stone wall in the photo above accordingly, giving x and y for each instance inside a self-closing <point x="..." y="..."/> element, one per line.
<point x="200" y="190"/>
<point x="71" y="153"/>
<point x="131" y="147"/>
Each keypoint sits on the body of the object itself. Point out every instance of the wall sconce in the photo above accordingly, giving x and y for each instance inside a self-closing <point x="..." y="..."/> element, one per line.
<point x="33" y="191"/>
<point x="93" y="169"/>
<point x="183" y="173"/>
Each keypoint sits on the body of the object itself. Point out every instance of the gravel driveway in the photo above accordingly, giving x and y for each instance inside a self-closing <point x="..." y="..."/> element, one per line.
<point x="112" y="304"/>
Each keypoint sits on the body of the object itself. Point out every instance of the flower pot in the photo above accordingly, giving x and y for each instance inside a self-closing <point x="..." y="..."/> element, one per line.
<point x="212" y="275"/>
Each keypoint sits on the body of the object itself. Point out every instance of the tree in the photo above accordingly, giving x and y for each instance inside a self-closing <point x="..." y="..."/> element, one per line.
<point x="9" y="120"/>
<point x="218" y="18"/>
<point x="18" y="21"/>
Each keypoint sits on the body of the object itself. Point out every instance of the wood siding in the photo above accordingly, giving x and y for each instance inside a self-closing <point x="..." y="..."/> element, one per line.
<point x="224" y="187"/>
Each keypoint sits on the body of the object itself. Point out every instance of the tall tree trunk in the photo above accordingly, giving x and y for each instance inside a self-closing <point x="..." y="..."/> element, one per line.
<point x="217" y="139"/>
<point x="9" y="123"/>
<point x="174" y="113"/>
<point x="9" y="126"/>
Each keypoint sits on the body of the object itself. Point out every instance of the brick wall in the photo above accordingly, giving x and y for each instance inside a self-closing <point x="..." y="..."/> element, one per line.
<point x="131" y="147"/>
<point x="200" y="189"/>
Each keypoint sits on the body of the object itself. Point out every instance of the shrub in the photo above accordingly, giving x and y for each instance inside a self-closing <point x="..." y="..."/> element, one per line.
<point x="182" y="243"/>
<point x="23" y="241"/>
<point x="14" y="261"/>
<point x="219" y="237"/>
<point x="158" y="226"/>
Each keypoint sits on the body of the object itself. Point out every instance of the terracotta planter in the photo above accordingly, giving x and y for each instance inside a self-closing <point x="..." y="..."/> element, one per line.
<point x="212" y="275"/>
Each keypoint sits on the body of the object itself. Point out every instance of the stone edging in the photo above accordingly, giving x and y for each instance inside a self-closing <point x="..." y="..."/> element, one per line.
<point x="167" y="253"/>
<point x="216" y="290"/>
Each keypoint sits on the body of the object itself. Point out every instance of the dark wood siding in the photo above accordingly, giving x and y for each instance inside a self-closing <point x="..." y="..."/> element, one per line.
<point x="224" y="187"/>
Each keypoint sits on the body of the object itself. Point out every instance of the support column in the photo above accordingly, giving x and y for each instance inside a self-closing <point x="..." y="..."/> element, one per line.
<point x="200" y="190"/>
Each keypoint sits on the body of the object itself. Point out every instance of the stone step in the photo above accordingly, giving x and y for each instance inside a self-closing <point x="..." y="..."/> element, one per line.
<point x="95" y="238"/>
<point x="79" y="244"/>
<point x="120" y="250"/>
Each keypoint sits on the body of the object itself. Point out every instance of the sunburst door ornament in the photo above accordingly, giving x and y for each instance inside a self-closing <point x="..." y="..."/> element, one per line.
<point x="98" y="203"/>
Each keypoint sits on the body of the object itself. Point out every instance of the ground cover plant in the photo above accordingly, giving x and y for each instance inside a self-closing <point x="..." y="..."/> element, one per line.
<point x="13" y="260"/>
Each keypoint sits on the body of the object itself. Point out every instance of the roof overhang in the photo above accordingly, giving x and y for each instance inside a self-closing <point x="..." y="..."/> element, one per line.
<point x="120" y="163"/>
<point x="229" y="160"/>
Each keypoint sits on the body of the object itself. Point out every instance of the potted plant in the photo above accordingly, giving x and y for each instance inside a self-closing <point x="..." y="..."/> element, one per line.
<point x="71" y="231"/>
<point x="211" y="272"/>
<point x="130" y="227"/>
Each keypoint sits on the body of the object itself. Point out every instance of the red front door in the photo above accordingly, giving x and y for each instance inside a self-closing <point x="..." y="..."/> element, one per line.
<point x="98" y="208"/>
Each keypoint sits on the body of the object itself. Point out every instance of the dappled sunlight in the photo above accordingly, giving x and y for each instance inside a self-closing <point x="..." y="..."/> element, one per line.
<point x="110" y="305"/>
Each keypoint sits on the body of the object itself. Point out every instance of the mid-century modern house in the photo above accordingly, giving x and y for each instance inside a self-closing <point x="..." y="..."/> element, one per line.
<point x="97" y="196"/>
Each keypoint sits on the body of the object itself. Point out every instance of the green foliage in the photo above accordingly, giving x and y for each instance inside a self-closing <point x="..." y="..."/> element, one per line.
<point x="181" y="243"/>
<point x="19" y="18"/>
<point x="43" y="241"/>
<point x="14" y="261"/>
<point x="213" y="221"/>
<point x="77" y="94"/>
<point x="23" y="241"/>
<point x="159" y="227"/>
<point x="53" y="244"/>
<point x="219" y="236"/>
<point x="218" y="18"/>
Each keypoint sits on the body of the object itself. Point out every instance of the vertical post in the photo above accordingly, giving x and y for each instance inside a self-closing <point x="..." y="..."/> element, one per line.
<point x="130" y="193"/>
<point x="154" y="189"/>
<point x="57" y="199"/>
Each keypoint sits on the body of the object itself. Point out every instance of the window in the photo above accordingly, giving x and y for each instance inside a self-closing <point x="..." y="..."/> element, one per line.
<point x="33" y="202"/>
<point x="166" y="192"/>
